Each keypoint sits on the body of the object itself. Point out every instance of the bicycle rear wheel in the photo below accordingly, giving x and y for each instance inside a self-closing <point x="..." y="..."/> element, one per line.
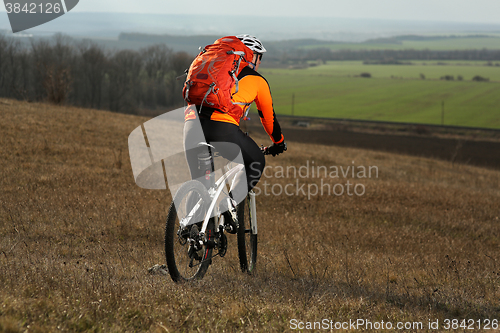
<point x="247" y="241"/>
<point x="184" y="261"/>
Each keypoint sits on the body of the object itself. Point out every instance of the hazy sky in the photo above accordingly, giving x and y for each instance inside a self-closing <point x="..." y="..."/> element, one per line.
<point x="486" y="11"/>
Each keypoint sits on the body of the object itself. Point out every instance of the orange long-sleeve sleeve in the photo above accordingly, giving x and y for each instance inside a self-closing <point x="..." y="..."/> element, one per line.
<point x="254" y="87"/>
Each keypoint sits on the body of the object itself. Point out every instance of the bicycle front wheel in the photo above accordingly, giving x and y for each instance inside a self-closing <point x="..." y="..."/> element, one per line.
<point x="184" y="261"/>
<point x="247" y="240"/>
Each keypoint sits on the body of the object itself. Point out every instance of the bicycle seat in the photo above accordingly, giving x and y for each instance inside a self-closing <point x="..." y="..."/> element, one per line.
<point x="204" y="144"/>
<point x="214" y="150"/>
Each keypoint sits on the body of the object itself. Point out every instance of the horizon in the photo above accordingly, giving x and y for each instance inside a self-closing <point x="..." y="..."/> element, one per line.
<point x="110" y="25"/>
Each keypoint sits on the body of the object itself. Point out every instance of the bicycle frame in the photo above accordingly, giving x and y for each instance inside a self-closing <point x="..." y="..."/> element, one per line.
<point x="214" y="195"/>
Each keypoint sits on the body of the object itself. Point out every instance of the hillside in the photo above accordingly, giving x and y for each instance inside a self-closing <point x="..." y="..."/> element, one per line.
<point x="77" y="237"/>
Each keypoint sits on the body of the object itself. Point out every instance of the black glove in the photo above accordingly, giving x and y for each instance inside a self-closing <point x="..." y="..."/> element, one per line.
<point x="276" y="148"/>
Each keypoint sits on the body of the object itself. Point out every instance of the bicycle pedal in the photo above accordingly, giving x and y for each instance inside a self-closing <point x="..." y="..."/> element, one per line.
<point x="230" y="229"/>
<point x="193" y="255"/>
<point x="230" y="225"/>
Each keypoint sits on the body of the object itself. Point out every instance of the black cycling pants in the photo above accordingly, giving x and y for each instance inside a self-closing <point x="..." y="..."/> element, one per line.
<point x="217" y="131"/>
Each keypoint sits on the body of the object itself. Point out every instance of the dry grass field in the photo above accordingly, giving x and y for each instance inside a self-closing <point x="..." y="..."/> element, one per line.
<point x="77" y="237"/>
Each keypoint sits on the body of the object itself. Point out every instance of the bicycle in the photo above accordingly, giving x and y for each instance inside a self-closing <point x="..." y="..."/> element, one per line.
<point x="195" y="227"/>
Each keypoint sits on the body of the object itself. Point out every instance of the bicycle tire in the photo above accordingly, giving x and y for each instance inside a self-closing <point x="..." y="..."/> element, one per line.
<point x="247" y="241"/>
<point x="176" y="253"/>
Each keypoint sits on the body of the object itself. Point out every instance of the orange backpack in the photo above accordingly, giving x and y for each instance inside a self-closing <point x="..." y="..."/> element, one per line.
<point x="214" y="72"/>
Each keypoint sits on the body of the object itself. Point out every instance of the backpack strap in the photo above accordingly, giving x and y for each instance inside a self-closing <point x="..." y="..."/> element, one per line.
<point x="186" y="95"/>
<point x="211" y="88"/>
<point x="241" y="55"/>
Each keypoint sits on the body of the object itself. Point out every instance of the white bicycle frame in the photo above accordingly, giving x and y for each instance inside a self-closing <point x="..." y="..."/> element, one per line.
<point x="214" y="195"/>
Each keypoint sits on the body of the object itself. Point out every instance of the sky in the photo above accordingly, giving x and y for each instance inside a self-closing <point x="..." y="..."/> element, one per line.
<point x="477" y="11"/>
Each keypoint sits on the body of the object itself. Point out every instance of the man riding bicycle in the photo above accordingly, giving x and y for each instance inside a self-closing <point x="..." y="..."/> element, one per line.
<point x="221" y="126"/>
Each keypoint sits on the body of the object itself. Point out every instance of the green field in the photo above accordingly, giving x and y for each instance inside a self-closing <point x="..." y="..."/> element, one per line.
<point x="334" y="91"/>
<point x="431" y="69"/>
<point x="492" y="43"/>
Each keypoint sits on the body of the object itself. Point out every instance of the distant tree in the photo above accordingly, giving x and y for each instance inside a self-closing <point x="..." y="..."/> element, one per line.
<point x="57" y="83"/>
<point x="448" y="77"/>
<point x="123" y="81"/>
<point x="422" y="76"/>
<point x="23" y="88"/>
<point x="9" y="68"/>
<point x="53" y="66"/>
<point x="460" y="78"/>
<point x="156" y="60"/>
<point x="320" y="55"/>
<point x="175" y="80"/>
<point x="480" y="79"/>
<point x="367" y="75"/>
<point x="93" y="67"/>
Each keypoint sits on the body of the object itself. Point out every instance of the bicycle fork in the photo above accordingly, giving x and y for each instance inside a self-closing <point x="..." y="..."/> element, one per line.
<point x="253" y="212"/>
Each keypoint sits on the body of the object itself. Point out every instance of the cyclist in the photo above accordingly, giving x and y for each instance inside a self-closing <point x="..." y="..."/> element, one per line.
<point x="222" y="127"/>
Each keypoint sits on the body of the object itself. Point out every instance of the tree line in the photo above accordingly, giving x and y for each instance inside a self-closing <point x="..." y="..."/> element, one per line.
<point x="326" y="54"/>
<point x="61" y="70"/>
<point x="81" y="73"/>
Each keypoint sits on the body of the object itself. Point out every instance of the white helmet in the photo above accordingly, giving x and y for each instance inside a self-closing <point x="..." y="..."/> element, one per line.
<point x="253" y="43"/>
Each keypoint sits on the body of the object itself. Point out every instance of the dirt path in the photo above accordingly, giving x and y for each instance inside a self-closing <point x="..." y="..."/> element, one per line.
<point x="472" y="152"/>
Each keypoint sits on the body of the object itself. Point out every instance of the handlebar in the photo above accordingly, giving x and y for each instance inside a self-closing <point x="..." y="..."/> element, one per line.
<point x="265" y="150"/>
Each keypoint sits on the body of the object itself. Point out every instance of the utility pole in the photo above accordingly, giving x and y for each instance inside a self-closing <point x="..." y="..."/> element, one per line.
<point x="442" y="113"/>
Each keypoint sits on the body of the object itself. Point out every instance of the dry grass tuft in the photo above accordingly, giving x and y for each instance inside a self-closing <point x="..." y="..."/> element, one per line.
<point x="77" y="236"/>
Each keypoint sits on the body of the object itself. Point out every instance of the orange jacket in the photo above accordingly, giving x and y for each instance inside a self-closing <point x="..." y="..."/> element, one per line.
<point x="251" y="87"/>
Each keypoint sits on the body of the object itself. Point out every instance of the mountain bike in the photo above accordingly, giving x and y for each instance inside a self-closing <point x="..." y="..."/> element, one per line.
<point x="195" y="227"/>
